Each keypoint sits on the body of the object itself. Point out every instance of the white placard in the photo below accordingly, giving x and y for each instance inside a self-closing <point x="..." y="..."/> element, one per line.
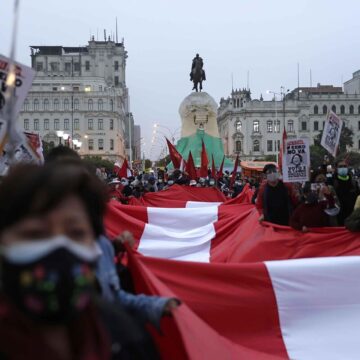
<point x="296" y="160"/>
<point x="331" y="134"/>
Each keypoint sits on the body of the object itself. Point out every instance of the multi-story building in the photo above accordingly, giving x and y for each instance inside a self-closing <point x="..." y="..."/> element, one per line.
<point x="82" y="92"/>
<point x="137" y="142"/>
<point x="253" y="128"/>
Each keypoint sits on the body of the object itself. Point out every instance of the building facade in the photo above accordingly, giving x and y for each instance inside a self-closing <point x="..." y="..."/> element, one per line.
<point x="253" y="128"/>
<point x="82" y="92"/>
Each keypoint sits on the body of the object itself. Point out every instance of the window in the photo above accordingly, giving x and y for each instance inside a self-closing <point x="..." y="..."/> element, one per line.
<point x="26" y="124"/>
<point x="90" y="124"/>
<point x="238" y="125"/>
<point x="66" y="104"/>
<point x="111" y="124"/>
<point x="238" y="102"/>
<point x="66" y="124"/>
<point x="56" y="104"/>
<point x="76" y="104"/>
<point x="316" y="109"/>
<point x="54" y="66"/>
<point x="290" y="127"/>
<point x="277" y="126"/>
<point x="91" y="144"/>
<point x="111" y="144"/>
<point x="277" y="142"/>
<point x="358" y="125"/>
<point x="323" y="125"/>
<point x="39" y="66"/>
<point x="36" y="104"/>
<point x="269" y="145"/>
<point x="351" y="109"/>
<point x="100" y="124"/>
<point x="90" y="104"/>
<point x="359" y="109"/>
<point x="76" y="66"/>
<point x="256" y="145"/>
<point x="26" y="105"/>
<point x="333" y="109"/>
<point x="342" y="109"/>
<point x="101" y="144"/>
<point x="111" y="105"/>
<point x="116" y="65"/>
<point x="46" y="104"/>
<point x="359" y="144"/>
<point x="316" y="126"/>
<point x="324" y="109"/>
<point x="54" y="88"/>
<point x="56" y="124"/>
<point x="36" y="124"/>
<point x="256" y="126"/>
<point x="46" y="124"/>
<point x="87" y="65"/>
<point x="269" y="126"/>
<point x="100" y="88"/>
<point x="116" y="80"/>
<point x="100" y="104"/>
<point x="303" y="126"/>
<point x="238" y="146"/>
<point x="67" y="67"/>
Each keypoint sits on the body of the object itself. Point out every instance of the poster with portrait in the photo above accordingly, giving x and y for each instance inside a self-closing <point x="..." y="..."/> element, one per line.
<point x="296" y="160"/>
<point x="331" y="134"/>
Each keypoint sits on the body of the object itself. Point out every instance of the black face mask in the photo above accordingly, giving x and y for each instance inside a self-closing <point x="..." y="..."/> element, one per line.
<point x="53" y="288"/>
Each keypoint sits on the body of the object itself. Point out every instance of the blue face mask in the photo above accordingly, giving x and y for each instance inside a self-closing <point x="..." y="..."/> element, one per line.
<point x="343" y="171"/>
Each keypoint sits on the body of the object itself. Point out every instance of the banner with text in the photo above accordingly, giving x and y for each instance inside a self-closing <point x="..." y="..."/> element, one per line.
<point x="296" y="160"/>
<point x="331" y="134"/>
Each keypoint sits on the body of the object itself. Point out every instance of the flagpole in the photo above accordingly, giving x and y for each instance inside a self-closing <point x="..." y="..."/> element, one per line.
<point x="10" y="87"/>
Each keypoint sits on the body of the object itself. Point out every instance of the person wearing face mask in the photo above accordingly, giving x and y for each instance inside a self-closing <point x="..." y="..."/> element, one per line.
<point x="346" y="190"/>
<point x="50" y="219"/>
<point x="275" y="200"/>
<point x="310" y="213"/>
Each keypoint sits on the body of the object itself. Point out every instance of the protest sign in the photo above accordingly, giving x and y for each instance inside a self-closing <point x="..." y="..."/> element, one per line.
<point x="24" y="78"/>
<point x="331" y="134"/>
<point x="296" y="160"/>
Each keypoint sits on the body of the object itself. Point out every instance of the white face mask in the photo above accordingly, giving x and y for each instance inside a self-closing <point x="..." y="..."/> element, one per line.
<point x="272" y="177"/>
<point x="170" y="182"/>
<point x="211" y="183"/>
<point x="26" y="251"/>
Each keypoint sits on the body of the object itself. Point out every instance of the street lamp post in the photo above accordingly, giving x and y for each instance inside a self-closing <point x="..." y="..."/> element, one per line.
<point x="60" y="134"/>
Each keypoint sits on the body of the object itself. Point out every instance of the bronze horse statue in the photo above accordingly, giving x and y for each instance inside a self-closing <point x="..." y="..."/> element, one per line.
<point x="197" y="74"/>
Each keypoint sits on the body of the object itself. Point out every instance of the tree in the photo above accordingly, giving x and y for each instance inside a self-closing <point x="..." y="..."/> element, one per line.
<point x="98" y="162"/>
<point x="47" y="146"/>
<point x="148" y="164"/>
<point x="164" y="161"/>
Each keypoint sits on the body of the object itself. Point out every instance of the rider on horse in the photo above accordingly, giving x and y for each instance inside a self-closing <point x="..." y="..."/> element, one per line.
<point x="197" y="73"/>
<point x="197" y="60"/>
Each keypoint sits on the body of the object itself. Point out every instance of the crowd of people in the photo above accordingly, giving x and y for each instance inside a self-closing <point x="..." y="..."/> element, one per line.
<point x="328" y="200"/>
<point x="60" y="286"/>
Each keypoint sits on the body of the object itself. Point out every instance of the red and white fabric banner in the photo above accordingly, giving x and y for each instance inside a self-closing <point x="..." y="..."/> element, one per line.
<point x="291" y="309"/>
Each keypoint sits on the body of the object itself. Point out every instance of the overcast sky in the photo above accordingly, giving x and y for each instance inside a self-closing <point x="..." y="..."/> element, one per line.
<point x="265" y="37"/>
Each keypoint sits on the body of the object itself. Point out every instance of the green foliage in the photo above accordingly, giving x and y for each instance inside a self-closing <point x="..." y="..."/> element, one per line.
<point x="47" y="147"/>
<point x="164" y="161"/>
<point x="148" y="163"/>
<point x="270" y="158"/>
<point x="97" y="161"/>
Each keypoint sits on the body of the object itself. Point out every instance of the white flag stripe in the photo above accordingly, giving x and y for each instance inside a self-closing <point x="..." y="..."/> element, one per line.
<point x="319" y="306"/>
<point x="180" y="234"/>
<point x="198" y="204"/>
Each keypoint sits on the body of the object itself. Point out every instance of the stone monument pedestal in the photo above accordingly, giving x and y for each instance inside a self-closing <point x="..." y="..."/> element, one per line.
<point x="198" y="113"/>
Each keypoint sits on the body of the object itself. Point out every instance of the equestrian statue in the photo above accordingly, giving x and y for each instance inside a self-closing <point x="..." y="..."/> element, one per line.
<point x="197" y="74"/>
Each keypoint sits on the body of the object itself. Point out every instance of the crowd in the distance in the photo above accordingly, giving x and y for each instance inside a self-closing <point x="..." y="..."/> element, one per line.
<point x="330" y="199"/>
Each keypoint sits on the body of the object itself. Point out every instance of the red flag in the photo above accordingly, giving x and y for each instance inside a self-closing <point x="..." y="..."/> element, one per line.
<point x="124" y="171"/>
<point x="175" y="156"/>
<point x="190" y="167"/>
<point x="220" y="172"/>
<point x="204" y="162"/>
<point x="213" y="168"/>
<point x="233" y="176"/>
<point x="282" y="149"/>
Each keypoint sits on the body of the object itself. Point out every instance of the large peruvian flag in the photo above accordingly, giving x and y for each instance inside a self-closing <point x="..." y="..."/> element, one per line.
<point x="248" y="291"/>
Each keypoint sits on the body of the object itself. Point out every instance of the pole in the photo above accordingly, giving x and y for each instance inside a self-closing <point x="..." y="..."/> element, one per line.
<point x="276" y="122"/>
<point x="72" y="118"/>
<point x="130" y="142"/>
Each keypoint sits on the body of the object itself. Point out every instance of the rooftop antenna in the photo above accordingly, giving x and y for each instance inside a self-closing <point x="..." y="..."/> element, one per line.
<point x="104" y="35"/>
<point x="116" y="31"/>
<point x="298" y="79"/>
<point x="232" y="82"/>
